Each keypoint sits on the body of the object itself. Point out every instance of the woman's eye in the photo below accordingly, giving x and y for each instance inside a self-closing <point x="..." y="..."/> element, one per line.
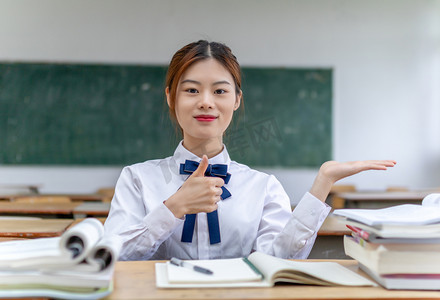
<point x="192" y="91"/>
<point x="219" y="91"/>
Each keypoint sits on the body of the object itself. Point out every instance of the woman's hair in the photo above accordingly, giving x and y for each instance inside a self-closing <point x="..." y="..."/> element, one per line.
<point x="195" y="52"/>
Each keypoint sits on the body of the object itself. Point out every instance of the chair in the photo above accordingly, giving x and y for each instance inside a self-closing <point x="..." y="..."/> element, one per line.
<point x="42" y="199"/>
<point x="336" y="201"/>
<point x="107" y="193"/>
<point x="397" y="189"/>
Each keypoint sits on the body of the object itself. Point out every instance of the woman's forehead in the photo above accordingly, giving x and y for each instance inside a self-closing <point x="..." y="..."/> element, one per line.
<point x="207" y="70"/>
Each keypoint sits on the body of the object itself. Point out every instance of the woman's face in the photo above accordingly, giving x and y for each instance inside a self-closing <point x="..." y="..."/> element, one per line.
<point x="205" y="100"/>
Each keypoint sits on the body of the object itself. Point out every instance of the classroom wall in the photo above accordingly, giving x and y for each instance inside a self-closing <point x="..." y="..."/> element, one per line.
<point x="385" y="56"/>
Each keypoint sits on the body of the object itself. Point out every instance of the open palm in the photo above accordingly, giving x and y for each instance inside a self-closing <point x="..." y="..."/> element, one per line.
<point x="332" y="171"/>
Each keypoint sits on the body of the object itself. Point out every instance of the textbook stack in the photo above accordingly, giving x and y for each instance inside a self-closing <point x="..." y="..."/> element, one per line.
<point x="77" y="265"/>
<point x="398" y="246"/>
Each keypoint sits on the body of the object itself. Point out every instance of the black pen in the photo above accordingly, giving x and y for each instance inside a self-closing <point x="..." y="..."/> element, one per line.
<point x="184" y="264"/>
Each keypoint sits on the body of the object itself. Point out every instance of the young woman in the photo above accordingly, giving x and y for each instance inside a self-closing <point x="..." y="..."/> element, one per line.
<point x="198" y="204"/>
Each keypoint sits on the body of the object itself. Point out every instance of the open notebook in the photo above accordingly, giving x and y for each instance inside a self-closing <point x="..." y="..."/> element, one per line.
<point x="258" y="270"/>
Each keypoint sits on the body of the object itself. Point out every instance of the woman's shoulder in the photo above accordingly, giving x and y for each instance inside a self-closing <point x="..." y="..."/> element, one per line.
<point x="246" y="174"/>
<point x="242" y="169"/>
<point x="148" y="165"/>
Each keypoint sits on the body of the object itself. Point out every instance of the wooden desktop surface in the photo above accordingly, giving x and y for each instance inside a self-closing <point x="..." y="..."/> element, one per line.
<point x="79" y="197"/>
<point x="73" y="197"/>
<point x="18" y="228"/>
<point x="86" y="208"/>
<point x="332" y="226"/>
<point x="384" y="196"/>
<point x="379" y="199"/>
<point x="136" y="280"/>
<point x="37" y="208"/>
<point x="93" y="208"/>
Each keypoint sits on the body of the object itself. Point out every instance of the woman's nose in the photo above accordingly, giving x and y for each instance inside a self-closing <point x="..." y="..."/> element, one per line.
<point x="206" y="101"/>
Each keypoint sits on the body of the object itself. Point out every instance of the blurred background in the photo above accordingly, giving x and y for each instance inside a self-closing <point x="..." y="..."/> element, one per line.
<point x="384" y="57"/>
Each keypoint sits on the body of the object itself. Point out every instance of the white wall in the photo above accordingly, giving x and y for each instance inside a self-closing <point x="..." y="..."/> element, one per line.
<point x="385" y="55"/>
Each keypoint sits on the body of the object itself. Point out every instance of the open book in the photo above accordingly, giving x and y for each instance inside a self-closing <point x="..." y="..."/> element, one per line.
<point x="258" y="270"/>
<point x="80" y="262"/>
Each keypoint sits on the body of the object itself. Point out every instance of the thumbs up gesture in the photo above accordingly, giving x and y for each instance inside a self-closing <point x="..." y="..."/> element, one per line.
<point x="197" y="194"/>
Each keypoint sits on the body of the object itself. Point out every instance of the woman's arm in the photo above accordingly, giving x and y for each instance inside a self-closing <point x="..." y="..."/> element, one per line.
<point x="141" y="230"/>
<point x="332" y="171"/>
<point x="298" y="236"/>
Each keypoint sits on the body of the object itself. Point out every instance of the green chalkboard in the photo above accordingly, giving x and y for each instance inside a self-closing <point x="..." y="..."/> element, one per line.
<point x="82" y="114"/>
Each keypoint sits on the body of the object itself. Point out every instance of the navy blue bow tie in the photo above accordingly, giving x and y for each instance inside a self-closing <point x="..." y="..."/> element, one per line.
<point x="217" y="170"/>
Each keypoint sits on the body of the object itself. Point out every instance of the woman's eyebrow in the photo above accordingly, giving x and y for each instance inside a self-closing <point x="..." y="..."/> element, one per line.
<point x="199" y="83"/>
<point x="190" y="81"/>
<point x="221" y="82"/>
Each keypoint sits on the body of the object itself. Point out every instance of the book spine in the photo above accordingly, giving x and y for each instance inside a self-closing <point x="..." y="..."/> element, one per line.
<point x="359" y="232"/>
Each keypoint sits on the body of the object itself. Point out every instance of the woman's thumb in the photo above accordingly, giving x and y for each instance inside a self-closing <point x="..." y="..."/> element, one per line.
<point x="200" y="171"/>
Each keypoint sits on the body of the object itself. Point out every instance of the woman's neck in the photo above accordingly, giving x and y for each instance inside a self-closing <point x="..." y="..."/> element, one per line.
<point x="199" y="147"/>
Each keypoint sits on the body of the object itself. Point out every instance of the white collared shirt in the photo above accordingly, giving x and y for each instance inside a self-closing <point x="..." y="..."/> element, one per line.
<point x="257" y="217"/>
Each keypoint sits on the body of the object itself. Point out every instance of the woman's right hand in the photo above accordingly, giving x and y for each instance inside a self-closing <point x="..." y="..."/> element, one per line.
<point x="197" y="194"/>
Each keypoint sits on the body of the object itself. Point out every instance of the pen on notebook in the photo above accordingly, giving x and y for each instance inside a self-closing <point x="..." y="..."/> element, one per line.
<point x="184" y="264"/>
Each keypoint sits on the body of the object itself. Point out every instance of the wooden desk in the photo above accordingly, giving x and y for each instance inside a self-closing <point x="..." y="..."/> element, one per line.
<point x="95" y="209"/>
<point x="136" y="280"/>
<point x="332" y="226"/>
<point x="84" y="197"/>
<point x="381" y="199"/>
<point x="53" y="209"/>
<point x="329" y="242"/>
<point x="19" y="188"/>
<point x="73" y="197"/>
<point x="33" y="228"/>
<point x="65" y="209"/>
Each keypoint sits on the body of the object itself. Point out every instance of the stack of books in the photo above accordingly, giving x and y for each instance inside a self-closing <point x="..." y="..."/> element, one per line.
<point x="398" y="246"/>
<point x="77" y="265"/>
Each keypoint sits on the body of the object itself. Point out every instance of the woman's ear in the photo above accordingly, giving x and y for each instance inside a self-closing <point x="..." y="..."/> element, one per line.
<point x="167" y="93"/>
<point x="238" y="100"/>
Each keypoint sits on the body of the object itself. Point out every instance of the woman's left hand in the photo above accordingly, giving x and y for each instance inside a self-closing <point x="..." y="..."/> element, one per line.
<point x="332" y="171"/>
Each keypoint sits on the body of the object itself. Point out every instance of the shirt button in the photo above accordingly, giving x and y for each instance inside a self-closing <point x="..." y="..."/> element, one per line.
<point x="302" y="243"/>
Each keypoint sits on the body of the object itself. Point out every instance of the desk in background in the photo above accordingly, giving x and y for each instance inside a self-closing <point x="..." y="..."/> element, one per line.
<point x="84" y="197"/>
<point x="137" y="280"/>
<point x="92" y="209"/>
<point x="73" y="197"/>
<point x="9" y="191"/>
<point x="62" y="210"/>
<point x="33" y="228"/>
<point x="381" y="199"/>
<point x="27" y="189"/>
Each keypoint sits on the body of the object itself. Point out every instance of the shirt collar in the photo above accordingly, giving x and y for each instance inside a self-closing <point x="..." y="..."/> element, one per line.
<point x="181" y="154"/>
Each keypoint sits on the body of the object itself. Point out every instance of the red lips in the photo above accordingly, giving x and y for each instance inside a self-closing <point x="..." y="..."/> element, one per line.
<point x="205" y="118"/>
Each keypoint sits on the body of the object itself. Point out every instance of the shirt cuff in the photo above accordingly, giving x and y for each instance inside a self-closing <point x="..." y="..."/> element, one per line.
<point x="161" y="221"/>
<point x="311" y="212"/>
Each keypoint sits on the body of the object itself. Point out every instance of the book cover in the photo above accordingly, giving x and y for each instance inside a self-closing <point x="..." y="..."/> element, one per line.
<point x="405" y="233"/>
<point x="405" y="281"/>
<point x="402" y="215"/>
<point x="394" y="258"/>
